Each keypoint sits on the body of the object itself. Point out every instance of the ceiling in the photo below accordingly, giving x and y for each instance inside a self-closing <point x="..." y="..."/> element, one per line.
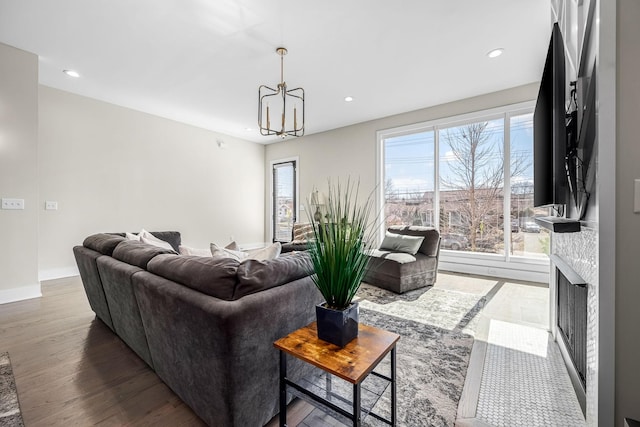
<point x="201" y="61"/>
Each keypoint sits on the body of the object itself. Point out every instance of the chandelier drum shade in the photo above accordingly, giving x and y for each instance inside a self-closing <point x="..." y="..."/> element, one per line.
<point x="281" y="110"/>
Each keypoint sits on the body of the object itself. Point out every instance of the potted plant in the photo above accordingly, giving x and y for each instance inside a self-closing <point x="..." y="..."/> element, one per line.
<point x="342" y="238"/>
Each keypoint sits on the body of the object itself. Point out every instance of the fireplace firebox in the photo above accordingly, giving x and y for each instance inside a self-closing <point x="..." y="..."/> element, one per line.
<point x="571" y="309"/>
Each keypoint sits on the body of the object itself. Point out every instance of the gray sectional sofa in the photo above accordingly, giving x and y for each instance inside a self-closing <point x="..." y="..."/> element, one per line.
<point x="206" y="326"/>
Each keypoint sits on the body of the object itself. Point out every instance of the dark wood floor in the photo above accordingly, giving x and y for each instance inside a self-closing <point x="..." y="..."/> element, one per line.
<point x="70" y="369"/>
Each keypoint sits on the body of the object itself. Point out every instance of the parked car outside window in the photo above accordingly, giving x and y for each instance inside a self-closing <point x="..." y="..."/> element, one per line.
<point x="455" y="242"/>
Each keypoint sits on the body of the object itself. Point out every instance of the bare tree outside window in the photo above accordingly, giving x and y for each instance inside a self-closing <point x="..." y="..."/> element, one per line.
<point x="473" y="182"/>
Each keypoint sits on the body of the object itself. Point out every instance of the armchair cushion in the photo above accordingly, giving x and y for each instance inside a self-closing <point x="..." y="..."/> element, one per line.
<point x="430" y="245"/>
<point x="401" y="243"/>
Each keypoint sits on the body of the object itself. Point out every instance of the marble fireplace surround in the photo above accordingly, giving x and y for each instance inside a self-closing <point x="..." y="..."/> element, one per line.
<point x="579" y="252"/>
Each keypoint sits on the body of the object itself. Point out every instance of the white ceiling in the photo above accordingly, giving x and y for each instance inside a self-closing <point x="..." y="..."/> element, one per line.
<point x="201" y="61"/>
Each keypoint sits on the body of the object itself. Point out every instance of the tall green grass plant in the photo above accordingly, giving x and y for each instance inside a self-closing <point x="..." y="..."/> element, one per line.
<point x="342" y="237"/>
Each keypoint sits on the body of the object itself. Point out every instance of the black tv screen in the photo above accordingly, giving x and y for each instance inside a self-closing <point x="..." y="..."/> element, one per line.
<point x="549" y="132"/>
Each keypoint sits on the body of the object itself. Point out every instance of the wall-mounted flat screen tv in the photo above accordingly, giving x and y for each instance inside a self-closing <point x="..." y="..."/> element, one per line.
<point x="549" y="132"/>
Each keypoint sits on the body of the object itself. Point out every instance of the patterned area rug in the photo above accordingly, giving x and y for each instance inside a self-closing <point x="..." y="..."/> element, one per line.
<point x="436" y="328"/>
<point x="9" y="408"/>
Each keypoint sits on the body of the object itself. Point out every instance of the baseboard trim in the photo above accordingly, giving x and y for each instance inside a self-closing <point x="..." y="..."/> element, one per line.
<point x="58" y="273"/>
<point x="500" y="272"/>
<point x="19" y="294"/>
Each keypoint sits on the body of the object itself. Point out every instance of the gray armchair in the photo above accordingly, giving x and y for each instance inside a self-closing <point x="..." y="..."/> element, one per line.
<point x="401" y="271"/>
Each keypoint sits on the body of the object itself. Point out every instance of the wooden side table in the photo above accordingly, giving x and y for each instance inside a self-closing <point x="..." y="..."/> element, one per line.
<point x="353" y="363"/>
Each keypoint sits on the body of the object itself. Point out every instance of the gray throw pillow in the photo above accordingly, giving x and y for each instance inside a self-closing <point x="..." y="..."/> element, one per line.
<point x="401" y="243"/>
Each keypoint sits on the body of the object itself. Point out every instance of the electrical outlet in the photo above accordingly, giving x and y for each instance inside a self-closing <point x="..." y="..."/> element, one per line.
<point x="492" y="271"/>
<point x="12" y="203"/>
<point x="50" y="206"/>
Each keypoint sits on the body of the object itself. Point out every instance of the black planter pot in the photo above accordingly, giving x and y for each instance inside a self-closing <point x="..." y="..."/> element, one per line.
<point x="338" y="327"/>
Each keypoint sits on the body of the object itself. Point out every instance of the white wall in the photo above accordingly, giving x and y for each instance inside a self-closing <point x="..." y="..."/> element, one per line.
<point x="18" y="173"/>
<point x="115" y="169"/>
<point x="627" y="223"/>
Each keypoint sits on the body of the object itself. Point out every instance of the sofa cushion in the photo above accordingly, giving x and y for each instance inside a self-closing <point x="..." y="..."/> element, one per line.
<point x="398" y="257"/>
<point x="255" y="275"/>
<point x="212" y="276"/>
<point x="103" y="243"/>
<point x="138" y="253"/>
<point x="431" y="241"/>
<point x="401" y="243"/>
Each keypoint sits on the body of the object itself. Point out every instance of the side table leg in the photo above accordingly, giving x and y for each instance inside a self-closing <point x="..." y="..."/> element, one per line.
<point x="393" y="386"/>
<point x="357" y="416"/>
<point x="283" y="389"/>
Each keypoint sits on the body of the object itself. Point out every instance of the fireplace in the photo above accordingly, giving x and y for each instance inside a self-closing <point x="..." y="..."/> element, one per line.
<point x="571" y="309"/>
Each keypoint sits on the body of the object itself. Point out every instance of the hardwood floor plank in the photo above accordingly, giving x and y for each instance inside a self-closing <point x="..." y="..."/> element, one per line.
<point x="71" y="369"/>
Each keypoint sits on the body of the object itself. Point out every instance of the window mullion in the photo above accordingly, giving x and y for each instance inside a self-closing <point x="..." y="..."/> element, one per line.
<point x="507" y="187"/>
<point x="436" y="176"/>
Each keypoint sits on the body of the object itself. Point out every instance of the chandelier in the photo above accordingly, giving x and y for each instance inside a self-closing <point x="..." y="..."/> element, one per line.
<point x="281" y="104"/>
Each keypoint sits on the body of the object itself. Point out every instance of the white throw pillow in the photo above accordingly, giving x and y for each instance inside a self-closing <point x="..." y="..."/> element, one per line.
<point x="263" y="254"/>
<point x="233" y="246"/>
<point x="131" y="236"/>
<point x="186" y="250"/>
<point x="218" y="252"/>
<point x="150" y="239"/>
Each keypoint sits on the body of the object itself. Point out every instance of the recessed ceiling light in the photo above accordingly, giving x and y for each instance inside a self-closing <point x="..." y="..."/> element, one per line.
<point x="495" y="52"/>
<point x="248" y="129"/>
<point x="71" y="73"/>
<point x="348" y="98"/>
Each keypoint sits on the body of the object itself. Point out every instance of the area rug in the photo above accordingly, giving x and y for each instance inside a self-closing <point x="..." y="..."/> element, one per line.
<point x="9" y="408"/>
<point x="436" y="327"/>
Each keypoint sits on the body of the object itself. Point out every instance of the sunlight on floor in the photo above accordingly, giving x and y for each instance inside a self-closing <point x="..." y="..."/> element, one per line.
<point x="518" y="337"/>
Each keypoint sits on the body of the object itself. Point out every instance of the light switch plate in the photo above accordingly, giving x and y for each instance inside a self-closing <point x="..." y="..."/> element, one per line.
<point x="636" y="196"/>
<point x="12" y="203"/>
<point x="50" y="205"/>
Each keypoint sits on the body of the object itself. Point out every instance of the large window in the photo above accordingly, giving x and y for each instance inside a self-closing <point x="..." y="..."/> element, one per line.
<point x="471" y="177"/>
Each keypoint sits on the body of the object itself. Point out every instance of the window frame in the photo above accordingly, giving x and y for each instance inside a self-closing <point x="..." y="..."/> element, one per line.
<point x="296" y="196"/>
<point x="469" y="262"/>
